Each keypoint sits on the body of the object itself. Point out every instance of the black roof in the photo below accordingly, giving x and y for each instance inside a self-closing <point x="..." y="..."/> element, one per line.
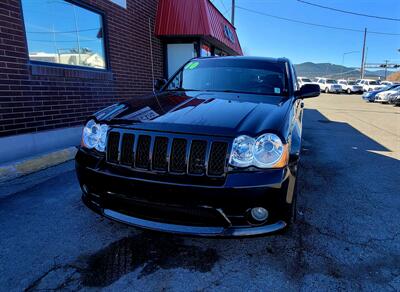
<point x="250" y="58"/>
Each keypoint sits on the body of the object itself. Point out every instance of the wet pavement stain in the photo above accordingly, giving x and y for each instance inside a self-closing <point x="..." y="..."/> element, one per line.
<point x="148" y="251"/>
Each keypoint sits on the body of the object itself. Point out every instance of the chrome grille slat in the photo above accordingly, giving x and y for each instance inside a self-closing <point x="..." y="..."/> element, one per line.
<point x="197" y="157"/>
<point x="127" y="144"/>
<point x="178" y="155"/>
<point x="159" y="161"/>
<point x="142" y="158"/>
<point x="217" y="158"/>
<point x="113" y="147"/>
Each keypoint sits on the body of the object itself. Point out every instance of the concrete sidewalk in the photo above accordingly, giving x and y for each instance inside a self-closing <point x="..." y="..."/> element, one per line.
<point x="16" y="169"/>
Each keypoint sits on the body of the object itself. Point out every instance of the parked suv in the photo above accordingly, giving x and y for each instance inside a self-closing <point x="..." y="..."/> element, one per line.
<point x="370" y="85"/>
<point x="350" y="86"/>
<point x="214" y="152"/>
<point x="304" y="80"/>
<point x="329" y="85"/>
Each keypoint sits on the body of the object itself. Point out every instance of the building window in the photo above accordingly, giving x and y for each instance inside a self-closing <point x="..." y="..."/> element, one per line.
<point x="205" y="51"/>
<point x="61" y="32"/>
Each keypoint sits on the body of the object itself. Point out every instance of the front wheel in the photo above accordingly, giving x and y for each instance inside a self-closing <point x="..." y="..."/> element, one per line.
<point x="327" y="90"/>
<point x="348" y="91"/>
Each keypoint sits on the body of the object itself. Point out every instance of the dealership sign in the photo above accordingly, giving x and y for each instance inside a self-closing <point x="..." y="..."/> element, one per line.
<point x="229" y="34"/>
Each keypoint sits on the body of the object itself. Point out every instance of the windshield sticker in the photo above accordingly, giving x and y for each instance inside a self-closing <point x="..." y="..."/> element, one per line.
<point x="277" y="90"/>
<point x="188" y="65"/>
<point x="142" y="115"/>
<point x="193" y="65"/>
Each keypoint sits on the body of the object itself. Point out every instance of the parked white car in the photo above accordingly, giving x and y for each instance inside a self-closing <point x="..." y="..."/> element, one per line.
<point x="350" y="86"/>
<point x="304" y="80"/>
<point x="329" y="85"/>
<point x="370" y="85"/>
<point x="384" y="96"/>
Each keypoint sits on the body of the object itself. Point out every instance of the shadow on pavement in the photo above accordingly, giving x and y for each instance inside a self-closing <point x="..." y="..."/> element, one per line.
<point x="346" y="237"/>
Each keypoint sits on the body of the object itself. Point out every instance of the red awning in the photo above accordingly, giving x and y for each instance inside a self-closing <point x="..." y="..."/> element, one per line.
<point x="184" y="18"/>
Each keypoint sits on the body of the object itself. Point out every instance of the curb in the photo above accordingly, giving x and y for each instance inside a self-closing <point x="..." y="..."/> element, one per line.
<point x="30" y="165"/>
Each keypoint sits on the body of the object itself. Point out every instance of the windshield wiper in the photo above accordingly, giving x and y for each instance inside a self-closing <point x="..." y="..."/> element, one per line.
<point x="246" y="92"/>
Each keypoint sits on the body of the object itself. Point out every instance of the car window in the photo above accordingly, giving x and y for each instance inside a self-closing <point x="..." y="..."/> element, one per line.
<point x="373" y="83"/>
<point x="258" y="77"/>
<point x="331" y="81"/>
<point x="351" y="83"/>
<point x="306" y="80"/>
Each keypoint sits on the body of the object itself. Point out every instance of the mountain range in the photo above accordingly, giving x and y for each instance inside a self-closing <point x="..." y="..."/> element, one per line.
<point x="309" y="69"/>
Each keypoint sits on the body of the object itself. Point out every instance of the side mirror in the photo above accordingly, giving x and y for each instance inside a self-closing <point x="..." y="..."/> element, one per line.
<point x="308" y="90"/>
<point x="159" y="83"/>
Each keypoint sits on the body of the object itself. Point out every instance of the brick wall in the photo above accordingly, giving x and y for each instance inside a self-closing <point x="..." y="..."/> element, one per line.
<point x="35" y="98"/>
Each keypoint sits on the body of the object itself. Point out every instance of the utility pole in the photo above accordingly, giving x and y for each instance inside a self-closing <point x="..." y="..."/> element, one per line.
<point x="363" y="55"/>
<point x="233" y="13"/>
<point x="386" y="66"/>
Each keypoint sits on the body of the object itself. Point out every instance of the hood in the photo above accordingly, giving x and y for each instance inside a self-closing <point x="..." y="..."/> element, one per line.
<point x="224" y="114"/>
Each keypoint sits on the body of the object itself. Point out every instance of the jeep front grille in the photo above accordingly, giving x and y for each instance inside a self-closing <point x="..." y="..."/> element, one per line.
<point x="170" y="153"/>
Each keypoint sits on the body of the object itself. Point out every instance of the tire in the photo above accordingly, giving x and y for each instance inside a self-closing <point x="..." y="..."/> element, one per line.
<point x="348" y="91"/>
<point x="327" y="90"/>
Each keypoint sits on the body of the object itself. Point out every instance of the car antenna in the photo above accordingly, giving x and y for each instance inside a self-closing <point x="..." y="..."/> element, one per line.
<point x="152" y="67"/>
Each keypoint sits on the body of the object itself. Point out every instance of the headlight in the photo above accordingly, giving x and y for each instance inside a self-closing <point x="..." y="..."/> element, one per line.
<point x="242" y="151"/>
<point x="94" y="136"/>
<point x="267" y="151"/>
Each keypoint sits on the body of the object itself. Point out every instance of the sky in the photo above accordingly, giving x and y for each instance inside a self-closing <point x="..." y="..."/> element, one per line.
<point x="260" y="35"/>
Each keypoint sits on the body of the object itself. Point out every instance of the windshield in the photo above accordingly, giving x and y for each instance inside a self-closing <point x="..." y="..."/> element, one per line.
<point x="331" y="81"/>
<point x="232" y="75"/>
<point x="306" y="80"/>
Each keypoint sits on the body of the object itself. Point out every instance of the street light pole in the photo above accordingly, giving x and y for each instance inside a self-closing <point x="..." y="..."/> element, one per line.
<point x="233" y="13"/>
<point x="363" y="55"/>
<point x="386" y="65"/>
<point x="344" y="54"/>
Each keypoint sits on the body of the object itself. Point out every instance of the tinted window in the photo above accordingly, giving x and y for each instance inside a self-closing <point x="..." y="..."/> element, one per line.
<point x="351" y="83"/>
<point x="331" y="81"/>
<point x="60" y="32"/>
<point x="247" y="76"/>
<point x="306" y="80"/>
<point x="373" y="83"/>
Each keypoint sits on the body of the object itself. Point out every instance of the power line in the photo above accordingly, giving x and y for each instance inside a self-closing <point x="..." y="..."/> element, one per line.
<point x="223" y="4"/>
<point x="315" y="24"/>
<point x="349" y="12"/>
<point x="66" y="31"/>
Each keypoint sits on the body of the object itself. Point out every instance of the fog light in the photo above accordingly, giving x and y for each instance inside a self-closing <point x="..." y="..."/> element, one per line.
<point x="85" y="189"/>
<point x="259" y="214"/>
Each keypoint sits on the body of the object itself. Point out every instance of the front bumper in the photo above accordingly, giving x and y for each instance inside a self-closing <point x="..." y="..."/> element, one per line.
<point x="335" y="90"/>
<point x="191" y="209"/>
<point x="382" y="99"/>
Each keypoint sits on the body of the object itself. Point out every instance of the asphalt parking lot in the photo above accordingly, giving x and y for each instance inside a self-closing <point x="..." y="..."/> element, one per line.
<point x="347" y="235"/>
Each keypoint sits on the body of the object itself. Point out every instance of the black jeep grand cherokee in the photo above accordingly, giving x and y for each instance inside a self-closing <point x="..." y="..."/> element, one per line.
<point x="214" y="152"/>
